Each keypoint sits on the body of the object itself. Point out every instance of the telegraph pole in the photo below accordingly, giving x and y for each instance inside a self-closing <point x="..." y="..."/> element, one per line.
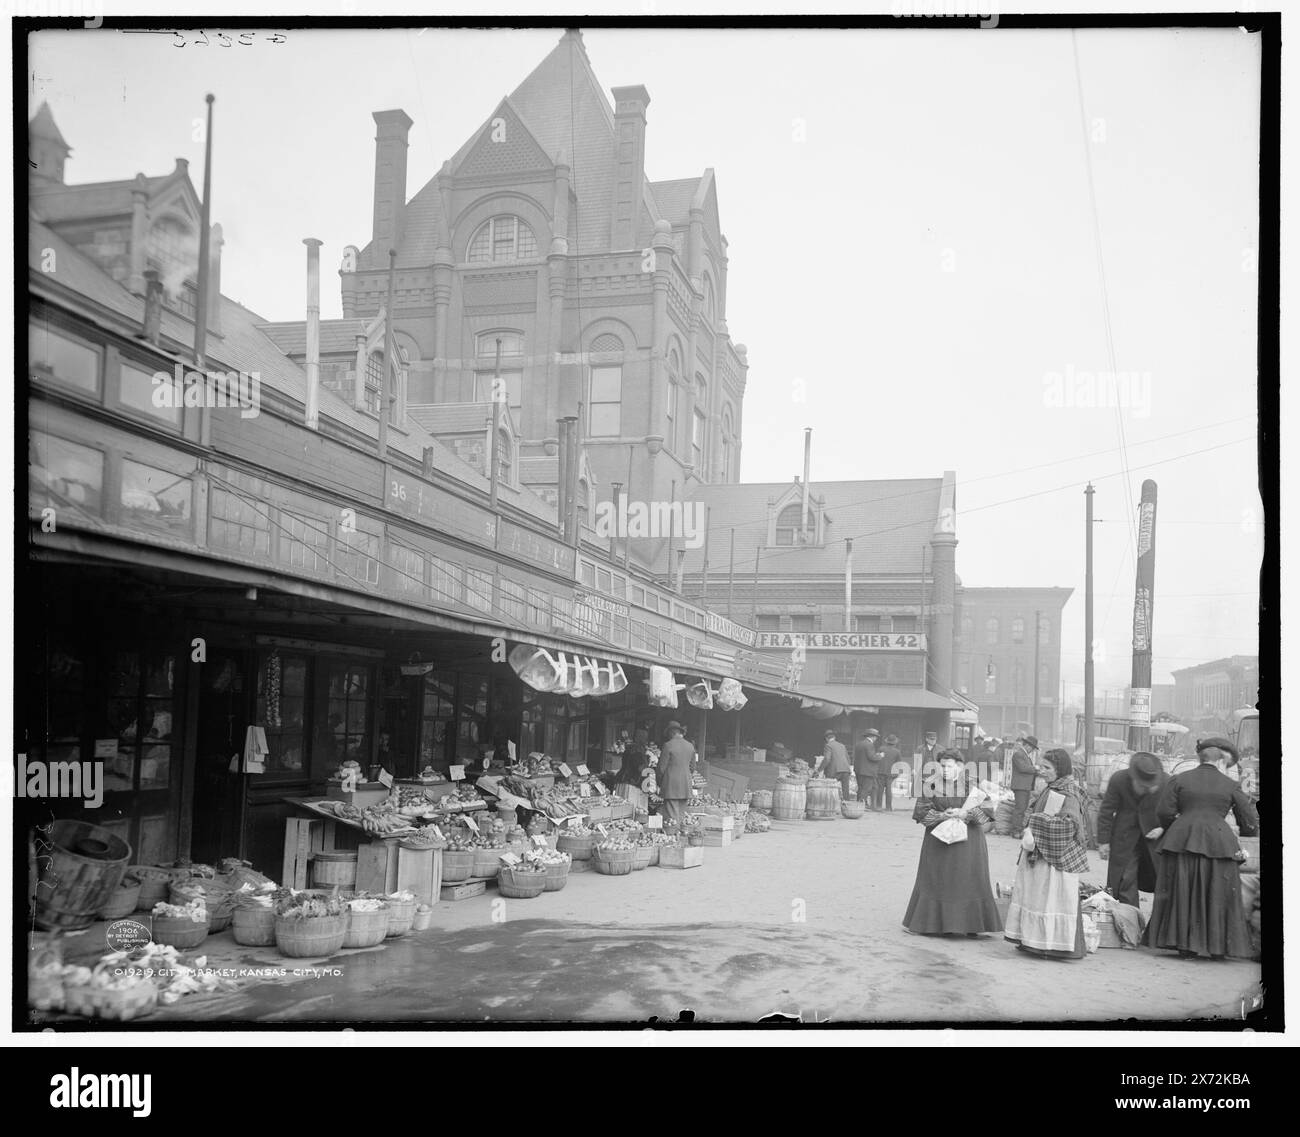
<point x="1139" y="706"/>
<point x="1087" y="635"/>
<point x="1038" y="638"/>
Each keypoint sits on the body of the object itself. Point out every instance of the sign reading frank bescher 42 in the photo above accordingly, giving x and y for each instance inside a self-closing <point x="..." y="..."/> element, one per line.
<point x="843" y="641"/>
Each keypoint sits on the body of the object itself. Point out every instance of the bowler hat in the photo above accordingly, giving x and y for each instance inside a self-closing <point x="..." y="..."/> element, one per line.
<point x="1219" y="743"/>
<point x="872" y="730"/>
<point x="1030" y="741"/>
<point x="1145" y="766"/>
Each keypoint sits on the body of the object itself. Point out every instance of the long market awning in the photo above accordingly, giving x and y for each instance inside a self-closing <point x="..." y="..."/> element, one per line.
<point x="871" y="699"/>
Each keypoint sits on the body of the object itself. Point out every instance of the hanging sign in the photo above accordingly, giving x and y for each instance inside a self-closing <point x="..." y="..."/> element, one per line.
<point x="564" y="770"/>
<point x="654" y="821"/>
<point x="603" y="831"/>
<point x="471" y="823"/>
<point x="564" y="673"/>
<point x="386" y="779"/>
<point x="509" y="858"/>
<point x="583" y="771"/>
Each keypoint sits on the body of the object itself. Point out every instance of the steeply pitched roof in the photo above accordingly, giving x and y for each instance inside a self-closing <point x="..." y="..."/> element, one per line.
<point x="55" y="203"/>
<point x="889" y="522"/>
<point x="674" y="198"/>
<point x="43" y="126"/>
<point x="337" y="337"/>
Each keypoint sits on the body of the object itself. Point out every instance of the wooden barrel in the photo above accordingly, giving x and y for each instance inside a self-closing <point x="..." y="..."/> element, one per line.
<point x="254" y="926"/>
<point x="79" y="867"/>
<point x="310" y="937"/>
<point x="760" y="799"/>
<point x="823" y="799"/>
<point x="789" y="801"/>
<point x="330" y="869"/>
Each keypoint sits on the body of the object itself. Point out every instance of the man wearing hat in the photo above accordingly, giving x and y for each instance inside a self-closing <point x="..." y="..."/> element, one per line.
<point x="1023" y="772"/>
<point x="1127" y="827"/>
<point x="835" y="763"/>
<point x="889" y="756"/>
<point x="866" y="765"/>
<point x="676" y="765"/>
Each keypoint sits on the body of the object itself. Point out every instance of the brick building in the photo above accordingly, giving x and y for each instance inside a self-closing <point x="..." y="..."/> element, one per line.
<point x="996" y="654"/>
<point x="1205" y="695"/>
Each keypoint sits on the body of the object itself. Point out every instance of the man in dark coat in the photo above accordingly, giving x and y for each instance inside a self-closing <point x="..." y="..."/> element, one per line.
<point x="676" y="764"/>
<point x="929" y="756"/>
<point x="885" y="775"/>
<point x="835" y="763"/>
<point x="1023" y="772"/>
<point x="1128" y="829"/>
<point x="866" y="765"/>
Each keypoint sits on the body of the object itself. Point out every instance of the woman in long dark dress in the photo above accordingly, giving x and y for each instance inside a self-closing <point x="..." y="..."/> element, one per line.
<point x="952" y="893"/>
<point x="1045" y="916"/>
<point x="1197" y="910"/>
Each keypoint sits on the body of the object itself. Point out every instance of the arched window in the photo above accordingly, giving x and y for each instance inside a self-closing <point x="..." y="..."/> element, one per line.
<point x="674" y="394"/>
<point x="967" y="628"/>
<point x="1018" y="630"/>
<point x="991" y="629"/>
<point x="698" y="423"/>
<point x="607" y="341"/>
<point x="726" y="444"/>
<point x="504" y="238"/>
<point x="505" y="459"/>
<point x="710" y="301"/>
<point x="512" y="343"/>
<point x="374" y="380"/>
<point x="789" y="524"/>
<point x="173" y="249"/>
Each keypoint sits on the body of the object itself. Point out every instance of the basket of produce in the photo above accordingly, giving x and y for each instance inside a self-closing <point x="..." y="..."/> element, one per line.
<point x="367" y="922"/>
<point x="576" y="842"/>
<point x="219" y="900"/>
<point x="155" y="884"/>
<point x="253" y="922"/>
<point x="487" y="858"/>
<point x="309" y="926"/>
<point x="401" y="913"/>
<point x="642" y="858"/>
<point x="760" y="799"/>
<point x="614" y="857"/>
<point x="557" y="868"/>
<point x="522" y="881"/>
<point x="853" y="809"/>
<point x="180" y="925"/>
<point x="123" y="900"/>
<point x="758" y="823"/>
<point x="457" y="861"/>
<point x="101" y="994"/>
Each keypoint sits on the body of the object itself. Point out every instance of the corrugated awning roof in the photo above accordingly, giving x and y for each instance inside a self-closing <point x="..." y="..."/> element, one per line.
<point x="854" y="698"/>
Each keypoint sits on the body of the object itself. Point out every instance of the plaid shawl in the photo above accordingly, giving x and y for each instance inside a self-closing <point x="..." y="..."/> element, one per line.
<point x="1056" y="839"/>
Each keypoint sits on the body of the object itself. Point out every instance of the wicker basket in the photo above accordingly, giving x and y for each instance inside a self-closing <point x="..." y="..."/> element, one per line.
<point x="642" y="857"/>
<point x="654" y="855"/>
<point x="853" y="809"/>
<point x="761" y="800"/>
<point x="329" y="870"/>
<point x="310" y="937"/>
<point x="254" y="925"/>
<point x="487" y="862"/>
<point x="557" y="875"/>
<point x="518" y="885"/>
<point x="366" y="929"/>
<point x="218" y="899"/>
<point x="178" y="931"/>
<point x="401" y="917"/>
<point x="619" y="862"/>
<point x="155" y="884"/>
<point x="124" y="900"/>
<point x="579" y="848"/>
<point x="457" y="865"/>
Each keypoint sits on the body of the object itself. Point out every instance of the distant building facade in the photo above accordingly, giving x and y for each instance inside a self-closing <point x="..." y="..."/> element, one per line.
<point x="1213" y="690"/>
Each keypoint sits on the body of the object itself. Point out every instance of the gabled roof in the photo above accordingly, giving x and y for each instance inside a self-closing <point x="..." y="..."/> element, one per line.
<point x="55" y="203"/>
<point x="674" y="199"/>
<point x="889" y="520"/>
<point x="337" y="337"/>
<point x="441" y="419"/>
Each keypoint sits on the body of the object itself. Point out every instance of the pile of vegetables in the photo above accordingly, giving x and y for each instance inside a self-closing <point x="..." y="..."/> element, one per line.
<point x="426" y="838"/>
<point x="366" y="904"/>
<point x="489" y="841"/>
<point x="299" y="907"/>
<point x="757" y="823"/>
<point x="616" y="845"/>
<point x="255" y="896"/>
<point x="460" y="841"/>
<point x="195" y="910"/>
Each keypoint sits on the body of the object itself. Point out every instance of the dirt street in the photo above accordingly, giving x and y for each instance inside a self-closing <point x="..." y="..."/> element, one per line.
<point x="802" y="921"/>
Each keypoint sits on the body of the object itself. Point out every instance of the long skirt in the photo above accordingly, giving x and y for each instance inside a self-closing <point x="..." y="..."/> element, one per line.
<point x="1198" y="907"/>
<point x="952" y="893"/>
<point x="1045" y="916"/>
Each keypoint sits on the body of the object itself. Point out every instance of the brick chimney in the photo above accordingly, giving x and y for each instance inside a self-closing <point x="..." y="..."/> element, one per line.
<point x="391" y="128"/>
<point x="629" y="183"/>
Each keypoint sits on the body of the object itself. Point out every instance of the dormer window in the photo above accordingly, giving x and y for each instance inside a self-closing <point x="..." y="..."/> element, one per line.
<point x="789" y="524"/>
<point x="500" y="239"/>
<point x="173" y="250"/>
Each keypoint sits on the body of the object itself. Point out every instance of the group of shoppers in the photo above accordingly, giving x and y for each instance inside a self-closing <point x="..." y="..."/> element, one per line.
<point x="1161" y="834"/>
<point x="873" y="766"/>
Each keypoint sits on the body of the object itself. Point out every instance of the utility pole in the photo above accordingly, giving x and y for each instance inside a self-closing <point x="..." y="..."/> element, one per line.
<point x="1139" y="700"/>
<point x="731" y="589"/>
<point x="1087" y="635"/>
<point x="1038" y="637"/>
<point x="494" y="480"/>
<point x="388" y="359"/>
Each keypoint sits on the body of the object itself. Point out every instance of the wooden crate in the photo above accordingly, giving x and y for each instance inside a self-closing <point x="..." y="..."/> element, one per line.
<point x="303" y="837"/>
<point x="690" y="857"/>
<point x="462" y="891"/>
<point x="420" y="871"/>
<point x="639" y="799"/>
<point x="366" y="793"/>
<point x="722" y="821"/>
<point x="718" y="838"/>
<point x="377" y="865"/>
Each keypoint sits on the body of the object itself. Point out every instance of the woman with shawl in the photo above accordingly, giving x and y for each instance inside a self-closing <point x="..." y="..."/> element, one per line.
<point x="1045" y="917"/>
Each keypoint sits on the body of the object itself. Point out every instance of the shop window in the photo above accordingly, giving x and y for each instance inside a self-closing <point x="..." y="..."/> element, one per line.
<point x="620" y="633"/>
<point x="238" y="525"/>
<point x="478" y="589"/>
<point x="65" y="475"/>
<point x="53" y="354"/>
<point x="58" y="709"/>
<point x="604" y="420"/>
<point x="357" y="557"/>
<point x="618" y="586"/>
<point x="304" y="542"/>
<point x="155" y="499"/>
<point x="437" y="718"/>
<point x="604" y="580"/>
<point x="140" y="714"/>
<point x="282" y="711"/>
<point x="444" y="581"/>
<point x="636" y="594"/>
<point x="136" y="393"/>
<point x="346" y="717"/>
<point x="473" y="735"/>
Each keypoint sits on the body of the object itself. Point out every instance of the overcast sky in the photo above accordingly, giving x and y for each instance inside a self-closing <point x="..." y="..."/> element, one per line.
<point x="912" y="254"/>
